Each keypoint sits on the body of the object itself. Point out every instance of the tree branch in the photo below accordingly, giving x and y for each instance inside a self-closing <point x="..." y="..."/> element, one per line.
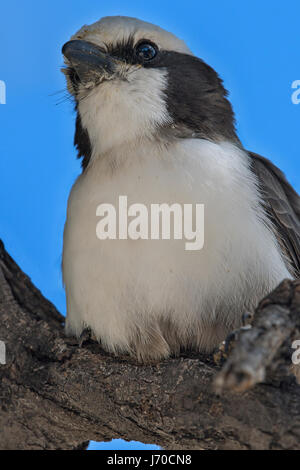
<point x="265" y="349"/>
<point x="55" y="395"/>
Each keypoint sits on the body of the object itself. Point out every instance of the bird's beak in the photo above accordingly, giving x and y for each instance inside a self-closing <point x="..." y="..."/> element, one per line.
<point x="89" y="61"/>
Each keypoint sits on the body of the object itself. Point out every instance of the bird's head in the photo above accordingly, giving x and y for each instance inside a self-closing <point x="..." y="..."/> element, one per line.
<point x="133" y="80"/>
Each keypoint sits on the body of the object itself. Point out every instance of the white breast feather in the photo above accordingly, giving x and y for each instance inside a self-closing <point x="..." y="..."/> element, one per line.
<point x="125" y="289"/>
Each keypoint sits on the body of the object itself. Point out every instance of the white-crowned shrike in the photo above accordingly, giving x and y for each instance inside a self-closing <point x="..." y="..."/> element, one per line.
<point x="154" y="124"/>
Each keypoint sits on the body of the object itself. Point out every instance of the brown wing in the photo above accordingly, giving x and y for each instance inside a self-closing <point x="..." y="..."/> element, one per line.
<point x="282" y="205"/>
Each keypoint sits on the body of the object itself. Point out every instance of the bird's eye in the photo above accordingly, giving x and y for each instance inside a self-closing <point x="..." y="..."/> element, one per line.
<point x="146" y="51"/>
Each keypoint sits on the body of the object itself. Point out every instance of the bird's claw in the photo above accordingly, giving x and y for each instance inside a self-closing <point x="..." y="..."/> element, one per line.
<point x="86" y="336"/>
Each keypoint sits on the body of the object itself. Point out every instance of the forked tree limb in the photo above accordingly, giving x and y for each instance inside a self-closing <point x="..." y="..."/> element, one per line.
<point x="55" y="395"/>
<point x="265" y="348"/>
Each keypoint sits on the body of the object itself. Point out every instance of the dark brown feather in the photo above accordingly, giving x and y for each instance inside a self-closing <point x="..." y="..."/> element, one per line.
<point x="282" y="205"/>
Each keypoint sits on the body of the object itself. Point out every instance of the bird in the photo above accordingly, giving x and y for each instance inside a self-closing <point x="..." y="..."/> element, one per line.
<point x="154" y="123"/>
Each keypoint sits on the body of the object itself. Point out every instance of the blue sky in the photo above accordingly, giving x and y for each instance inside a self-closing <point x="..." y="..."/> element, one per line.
<point x="254" y="46"/>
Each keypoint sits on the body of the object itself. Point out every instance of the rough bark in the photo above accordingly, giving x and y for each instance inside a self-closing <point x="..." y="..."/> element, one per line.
<point x="55" y="395"/>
